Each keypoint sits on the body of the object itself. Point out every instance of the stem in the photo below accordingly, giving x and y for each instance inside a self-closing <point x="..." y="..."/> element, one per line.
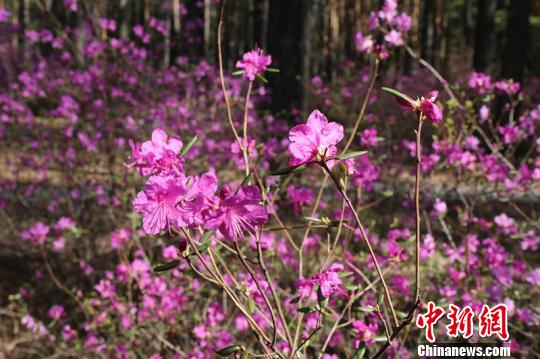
<point x="321" y="189"/>
<point x="274" y="294"/>
<point x="366" y="239"/>
<point x="396" y="331"/>
<point x="222" y="78"/>
<point x="246" y="110"/>
<point x="258" y="331"/>
<point x="342" y="314"/>
<point x="363" y="108"/>
<point x="417" y="200"/>
<point x="259" y="287"/>
<point x="57" y="282"/>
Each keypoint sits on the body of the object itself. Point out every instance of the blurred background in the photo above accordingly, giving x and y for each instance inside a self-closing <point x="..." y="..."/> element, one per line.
<point x="497" y="37"/>
<point x="84" y="82"/>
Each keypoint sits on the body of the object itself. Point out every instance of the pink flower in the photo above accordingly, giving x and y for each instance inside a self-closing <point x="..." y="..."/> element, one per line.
<point x="431" y="110"/>
<point x="254" y="63"/>
<point x="480" y="82"/>
<point x="440" y="207"/>
<point x="426" y="105"/>
<point x="64" y="223"/>
<point x="238" y="212"/>
<point x="368" y="137"/>
<point x="403" y="22"/>
<point x="363" y="44"/>
<point x="56" y="312"/>
<point x="364" y="333"/>
<point x="329" y="281"/>
<point x="484" y="113"/>
<point x="315" y="141"/>
<point x="299" y="197"/>
<point x="394" y="38"/>
<point x="4" y="15"/>
<point x="120" y="238"/>
<point x="158" y="156"/>
<point x="158" y="202"/>
<point x="36" y="234"/>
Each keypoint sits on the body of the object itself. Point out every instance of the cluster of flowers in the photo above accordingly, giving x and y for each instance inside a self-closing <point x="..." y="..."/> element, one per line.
<point x="388" y="21"/>
<point x="170" y="199"/>
<point x="483" y="84"/>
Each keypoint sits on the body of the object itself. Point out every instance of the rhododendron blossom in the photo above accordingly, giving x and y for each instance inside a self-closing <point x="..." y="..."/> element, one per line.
<point x="425" y="105"/>
<point x="158" y="202"/>
<point x="238" y="212"/>
<point x="254" y="63"/>
<point x="315" y="141"/>
<point x="159" y="155"/>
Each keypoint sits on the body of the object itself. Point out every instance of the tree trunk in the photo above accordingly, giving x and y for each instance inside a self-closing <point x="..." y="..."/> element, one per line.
<point x="484" y="41"/>
<point x="517" y="37"/>
<point x="285" y="25"/>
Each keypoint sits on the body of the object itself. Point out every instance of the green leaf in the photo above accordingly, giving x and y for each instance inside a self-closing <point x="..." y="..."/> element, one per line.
<point x="204" y="247"/>
<point x="307" y="309"/>
<point x="251" y="305"/>
<point x="247" y="179"/>
<point x="189" y="145"/>
<point x="344" y="274"/>
<point x="272" y="69"/>
<point x="238" y="72"/>
<point x="225" y="352"/>
<point x="399" y="95"/>
<point x="352" y="154"/>
<point x="367" y="308"/>
<point x="166" y="266"/>
<point x="287" y="170"/>
<point x="262" y="79"/>
<point x="205" y="242"/>
<point x="360" y="352"/>
<point x="206" y="235"/>
<point x="295" y="300"/>
<point x="380" y="338"/>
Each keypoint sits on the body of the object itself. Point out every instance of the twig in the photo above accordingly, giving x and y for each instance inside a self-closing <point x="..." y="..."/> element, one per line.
<point x="274" y="294"/>
<point x="263" y="293"/>
<point x="246" y="111"/>
<point x="404" y="323"/>
<point x="417" y="200"/>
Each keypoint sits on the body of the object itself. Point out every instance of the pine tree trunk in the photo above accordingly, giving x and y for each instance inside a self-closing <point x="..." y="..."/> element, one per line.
<point x="517" y="37"/>
<point x="286" y="19"/>
<point x="484" y="42"/>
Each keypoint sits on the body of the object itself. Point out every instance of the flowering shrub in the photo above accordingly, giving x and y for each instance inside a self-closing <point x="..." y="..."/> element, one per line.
<point x="172" y="216"/>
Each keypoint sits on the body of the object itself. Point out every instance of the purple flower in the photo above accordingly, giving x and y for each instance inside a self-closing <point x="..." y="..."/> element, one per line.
<point x="368" y="137"/>
<point x="158" y="202"/>
<point x="238" y="212"/>
<point x="479" y="81"/>
<point x="394" y="38"/>
<point x="315" y="141"/>
<point x="363" y="43"/>
<point x="429" y="108"/>
<point x="427" y="249"/>
<point x="158" y="156"/>
<point x="299" y="197"/>
<point x="37" y="234"/>
<point x="507" y="224"/>
<point x="533" y="277"/>
<point x="56" y="312"/>
<point x="402" y="22"/>
<point x="329" y="281"/>
<point x="530" y="241"/>
<point x="254" y="63"/>
<point x="4" y="15"/>
<point x="364" y="333"/>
